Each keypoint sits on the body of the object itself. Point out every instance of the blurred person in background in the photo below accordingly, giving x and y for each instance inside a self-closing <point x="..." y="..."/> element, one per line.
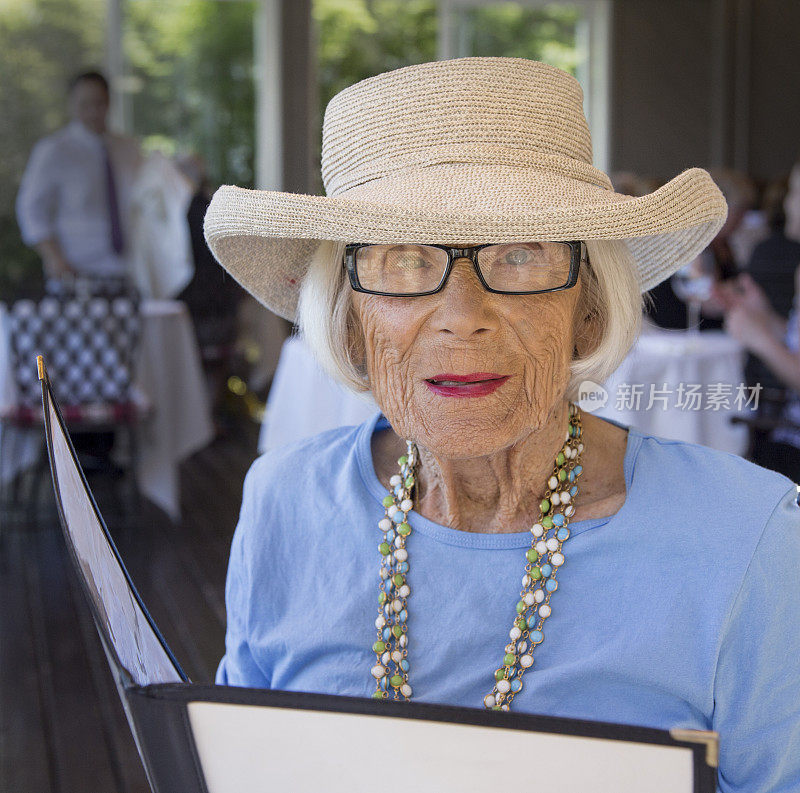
<point x="762" y="314"/>
<point x="775" y="341"/>
<point x="772" y="266"/>
<point x="663" y="306"/>
<point x="791" y="205"/>
<point x="73" y="201"/>
<point x="212" y="296"/>
<point x="719" y="262"/>
<point x="73" y="208"/>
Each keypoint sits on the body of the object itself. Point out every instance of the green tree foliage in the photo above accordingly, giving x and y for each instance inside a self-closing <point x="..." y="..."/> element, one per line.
<point x="546" y="33"/>
<point x="191" y="81"/>
<point x="360" y="38"/>
<point x="42" y="43"/>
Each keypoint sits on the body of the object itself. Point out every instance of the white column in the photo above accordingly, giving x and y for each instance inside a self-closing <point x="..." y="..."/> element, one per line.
<point x="593" y="38"/>
<point x="269" y="99"/>
<point x="444" y="34"/>
<point x="118" y="116"/>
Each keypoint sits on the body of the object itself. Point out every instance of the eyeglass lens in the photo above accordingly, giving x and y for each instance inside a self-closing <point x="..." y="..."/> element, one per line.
<point x="509" y="267"/>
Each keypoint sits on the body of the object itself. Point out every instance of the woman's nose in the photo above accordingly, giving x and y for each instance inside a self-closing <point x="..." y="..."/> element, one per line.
<point x="463" y="304"/>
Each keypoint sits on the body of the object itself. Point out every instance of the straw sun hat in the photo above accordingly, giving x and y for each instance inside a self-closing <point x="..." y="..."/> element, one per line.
<point x="465" y="151"/>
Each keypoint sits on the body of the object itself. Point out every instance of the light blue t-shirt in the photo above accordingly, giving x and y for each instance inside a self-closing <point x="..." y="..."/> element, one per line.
<point x="682" y="610"/>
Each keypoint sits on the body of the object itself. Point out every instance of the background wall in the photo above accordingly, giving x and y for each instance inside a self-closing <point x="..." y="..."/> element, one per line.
<point x="705" y="82"/>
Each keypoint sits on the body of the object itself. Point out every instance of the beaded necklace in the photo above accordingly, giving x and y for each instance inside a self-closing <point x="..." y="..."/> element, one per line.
<point x="542" y="561"/>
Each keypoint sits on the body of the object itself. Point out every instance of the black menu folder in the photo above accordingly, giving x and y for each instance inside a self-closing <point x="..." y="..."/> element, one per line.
<point x="218" y="739"/>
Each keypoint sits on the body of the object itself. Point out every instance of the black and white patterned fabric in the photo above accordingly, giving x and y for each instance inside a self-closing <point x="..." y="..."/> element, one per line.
<point x="88" y="343"/>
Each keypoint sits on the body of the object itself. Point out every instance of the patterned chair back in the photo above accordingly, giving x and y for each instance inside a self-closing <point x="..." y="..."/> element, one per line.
<point x="88" y="343"/>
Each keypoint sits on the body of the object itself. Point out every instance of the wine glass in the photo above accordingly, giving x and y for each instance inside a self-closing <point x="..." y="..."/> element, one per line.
<point x="693" y="284"/>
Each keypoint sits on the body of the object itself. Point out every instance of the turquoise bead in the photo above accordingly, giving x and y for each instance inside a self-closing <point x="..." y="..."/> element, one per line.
<point x="390" y="535"/>
<point x="551" y="585"/>
<point x="536" y="636"/>
<point x="573" y="490"/>
<point x="398" y="517"/>
<point x="562" y="534"/>
<point x="403" y="615"/>
<point x="531" y="620"/>
<point x="384" y="683"/>
<point x="516" y="685"/>
<point x="558" y="519"/>
<point x="571" y="476"/>
<point x="404" y="665"/>
<point x="546" y="570"/>
<point x="387" y="633"/>
<point x="402" y="567"/>
<point x="398" y="490"/>
<point x="578" y="469"/>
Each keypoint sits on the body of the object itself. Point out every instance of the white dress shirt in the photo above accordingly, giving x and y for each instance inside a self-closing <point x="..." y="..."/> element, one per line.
<point x="64" y="196"/>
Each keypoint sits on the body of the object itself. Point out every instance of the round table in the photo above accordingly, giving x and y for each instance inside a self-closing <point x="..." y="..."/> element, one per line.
<point x="304" y="400"/>
<point x="681" y="385"/>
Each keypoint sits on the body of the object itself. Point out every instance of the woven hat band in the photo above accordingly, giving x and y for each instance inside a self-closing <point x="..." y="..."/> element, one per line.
<point x="473" y="154"/>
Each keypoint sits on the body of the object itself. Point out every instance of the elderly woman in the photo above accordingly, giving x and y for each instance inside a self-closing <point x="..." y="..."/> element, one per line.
<point x="481" y="542"/>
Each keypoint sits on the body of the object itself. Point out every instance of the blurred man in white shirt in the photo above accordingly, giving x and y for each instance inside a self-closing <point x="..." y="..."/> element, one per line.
<point x="73" y="205"/>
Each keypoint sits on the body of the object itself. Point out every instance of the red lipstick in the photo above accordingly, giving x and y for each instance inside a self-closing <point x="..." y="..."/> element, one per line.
<point x="475" y="384"/>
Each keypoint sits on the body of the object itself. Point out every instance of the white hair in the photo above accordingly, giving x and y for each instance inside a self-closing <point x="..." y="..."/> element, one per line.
<point x="610" y="293"/>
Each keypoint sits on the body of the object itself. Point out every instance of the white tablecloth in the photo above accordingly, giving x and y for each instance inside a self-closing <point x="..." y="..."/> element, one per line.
<point x="170" y="375"/>
<point x="709" y="364"/>
<point x="304" y="400"/>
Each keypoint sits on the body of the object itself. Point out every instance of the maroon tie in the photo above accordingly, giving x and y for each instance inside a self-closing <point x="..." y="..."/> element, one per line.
<point x="117" y="241"/>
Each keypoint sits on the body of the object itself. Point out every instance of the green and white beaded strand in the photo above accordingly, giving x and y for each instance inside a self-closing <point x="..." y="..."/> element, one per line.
<point x="391" y="647"/>
<point x="543" y="559"/>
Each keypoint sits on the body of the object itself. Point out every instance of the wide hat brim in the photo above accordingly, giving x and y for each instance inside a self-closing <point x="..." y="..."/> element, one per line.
<point x="266" y="239"/>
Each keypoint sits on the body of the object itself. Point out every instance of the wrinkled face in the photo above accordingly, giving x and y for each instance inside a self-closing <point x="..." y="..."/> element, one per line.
<point x="88" y="103"/>
<point x="466" y="372"/>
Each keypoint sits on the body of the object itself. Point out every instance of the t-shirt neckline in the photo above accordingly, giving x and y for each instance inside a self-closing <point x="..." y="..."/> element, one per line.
<point x="487" y="541"/>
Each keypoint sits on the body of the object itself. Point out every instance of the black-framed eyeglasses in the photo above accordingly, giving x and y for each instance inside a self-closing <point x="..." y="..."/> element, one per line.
<point x="512" y="268"/>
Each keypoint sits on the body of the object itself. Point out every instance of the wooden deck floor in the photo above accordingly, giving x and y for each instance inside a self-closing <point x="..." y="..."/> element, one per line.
<point x="62" y="728"/>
